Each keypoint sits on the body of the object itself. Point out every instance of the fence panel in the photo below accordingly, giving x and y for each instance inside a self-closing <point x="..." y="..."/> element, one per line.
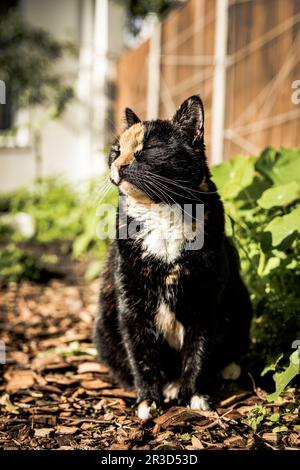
<point x="263" y="59"/>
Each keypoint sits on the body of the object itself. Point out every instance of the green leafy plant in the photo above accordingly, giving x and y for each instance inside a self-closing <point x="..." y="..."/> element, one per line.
<point x="262" y="202"/>
<point x="283" y="378"/>
<point x="17" y="264"/>
<point x="255" y="417"/>
<point x="60" y="213"/>
<point x="28" y="65"/>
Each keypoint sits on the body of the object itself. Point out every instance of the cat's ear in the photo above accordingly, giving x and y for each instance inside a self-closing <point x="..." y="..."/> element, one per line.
<point x="131" y="117"/>
<point x="190" y="117"/>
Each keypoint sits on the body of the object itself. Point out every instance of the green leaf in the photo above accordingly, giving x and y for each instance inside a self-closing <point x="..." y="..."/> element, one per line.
<point x="270" y="265"/>
<point x="266" y="161"/>
<point x="234" y="175"/>
<point x="282" y="195"/>
<point x="274" y="417"/>
<point x="280" y="429"/>
<point x="282" y="227"/>
<point x="185" y="437"/>
<point x="255" y="417"/>
<point x="282" y="379"/>
<point x="281" y="166"/>
<point x="93" y="270"/>
<point x="271" y="367"/>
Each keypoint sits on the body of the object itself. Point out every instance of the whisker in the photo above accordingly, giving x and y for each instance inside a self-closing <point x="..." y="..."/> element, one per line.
<point x="178" y="194"/>
<point x="177" y="183"/>
<point x="170" y="197"/>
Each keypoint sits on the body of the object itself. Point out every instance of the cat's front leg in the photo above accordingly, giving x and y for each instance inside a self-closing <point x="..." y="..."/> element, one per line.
<point x="193" y="390"/>
<point x="141" y="344"/>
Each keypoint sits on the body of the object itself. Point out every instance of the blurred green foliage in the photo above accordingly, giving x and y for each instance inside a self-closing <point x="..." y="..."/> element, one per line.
<point x="262" y="202"/>
<point x="27" y="65"/>
<point x="17" y="264"/>
<point x="59" y="213"/>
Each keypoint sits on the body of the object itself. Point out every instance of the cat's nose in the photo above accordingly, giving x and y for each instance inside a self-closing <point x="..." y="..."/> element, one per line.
<point x="116" y="171"/>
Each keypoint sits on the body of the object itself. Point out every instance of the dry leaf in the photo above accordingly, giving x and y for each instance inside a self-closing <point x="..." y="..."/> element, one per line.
<point x="163" y="436"/>
<point x="196" y="443"/>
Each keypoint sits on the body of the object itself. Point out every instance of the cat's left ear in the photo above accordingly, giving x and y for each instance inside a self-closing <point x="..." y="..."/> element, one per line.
<point x="131" y="117"/>
<point x="190" y="117"/>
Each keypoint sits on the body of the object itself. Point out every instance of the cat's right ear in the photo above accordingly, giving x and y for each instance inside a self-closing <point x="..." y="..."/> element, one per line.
<point x="131" y="117"/>
<point x="190" y="117"/>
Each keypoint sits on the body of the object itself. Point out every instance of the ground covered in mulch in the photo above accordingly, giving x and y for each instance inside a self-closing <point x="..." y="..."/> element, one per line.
<point x="55" y="395"/>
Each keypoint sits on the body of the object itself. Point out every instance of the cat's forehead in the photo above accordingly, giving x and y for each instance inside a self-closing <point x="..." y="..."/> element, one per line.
<point x="131" y="140"/>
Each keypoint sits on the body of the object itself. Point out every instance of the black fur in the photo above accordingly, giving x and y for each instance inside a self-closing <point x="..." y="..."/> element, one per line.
<point x="209" y="299"/>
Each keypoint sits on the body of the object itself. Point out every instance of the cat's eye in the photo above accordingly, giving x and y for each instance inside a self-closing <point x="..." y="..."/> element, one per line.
<point x="115" y="148"/>
<point x="150" y="147"/>
<point x="138" y="155"/>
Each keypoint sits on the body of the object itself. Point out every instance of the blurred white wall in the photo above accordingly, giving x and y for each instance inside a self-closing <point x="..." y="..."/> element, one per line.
<point x="73" y="146"/>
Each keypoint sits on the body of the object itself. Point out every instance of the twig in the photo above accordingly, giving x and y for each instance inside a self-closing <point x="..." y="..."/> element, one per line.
<point x="87" y="420"/>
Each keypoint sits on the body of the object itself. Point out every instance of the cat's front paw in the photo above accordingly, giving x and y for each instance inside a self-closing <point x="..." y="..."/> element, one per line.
<point x="193" y="400"/>
<point x="199" y="402"/>
<point x="146" y="409"/>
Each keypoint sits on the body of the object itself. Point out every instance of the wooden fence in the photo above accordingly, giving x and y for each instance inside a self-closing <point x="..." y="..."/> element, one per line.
<point x="261" y="40"/>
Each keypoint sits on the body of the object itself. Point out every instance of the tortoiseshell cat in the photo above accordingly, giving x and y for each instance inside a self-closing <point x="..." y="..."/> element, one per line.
<point x="171" y="318"/>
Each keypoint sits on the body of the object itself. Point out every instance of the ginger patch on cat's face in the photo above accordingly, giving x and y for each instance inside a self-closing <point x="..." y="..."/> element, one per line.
<point x="130" y="142"/>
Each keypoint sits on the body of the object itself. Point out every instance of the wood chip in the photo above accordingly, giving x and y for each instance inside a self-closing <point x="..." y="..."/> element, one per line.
<point x="235" y="441"/>
<point x="43" y="432"/>
<point x="91" y="367"/>
<point x="86" y="426"/>
<point x="178" y="415"/>
<point x="44" y="419"/>
<point x="233" y="399"/>
<point x="19" y="380"/>
<point x="96" y="384"/>
<point x="118" y="447"/>
<point x="271" y="437"/>
<point x="66" y="429"/>
<point x="8" y="405"/>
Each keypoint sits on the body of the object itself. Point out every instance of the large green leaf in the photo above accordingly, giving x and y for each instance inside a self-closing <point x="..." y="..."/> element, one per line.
<point x="284" y="226"/>
<point x="234" y="175"/>
<point x="282" y="379"/>
<point x="280" y="167"/>
<point x="282" y="195"/>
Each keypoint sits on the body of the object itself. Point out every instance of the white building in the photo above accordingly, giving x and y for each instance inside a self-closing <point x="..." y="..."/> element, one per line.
<point x="74" y="145"/>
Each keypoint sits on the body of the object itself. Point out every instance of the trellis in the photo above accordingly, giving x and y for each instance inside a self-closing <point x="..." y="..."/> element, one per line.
<point x="261" y="61"/>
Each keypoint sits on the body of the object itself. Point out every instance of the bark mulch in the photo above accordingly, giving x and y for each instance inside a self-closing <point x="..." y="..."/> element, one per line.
<point x="55" y="395"/>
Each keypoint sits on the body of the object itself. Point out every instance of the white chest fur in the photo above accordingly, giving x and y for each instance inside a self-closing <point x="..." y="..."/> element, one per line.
<point x="164" y="231"/>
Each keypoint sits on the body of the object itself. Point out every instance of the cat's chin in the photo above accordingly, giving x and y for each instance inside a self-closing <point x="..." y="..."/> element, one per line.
<point x="132" y="191"/>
